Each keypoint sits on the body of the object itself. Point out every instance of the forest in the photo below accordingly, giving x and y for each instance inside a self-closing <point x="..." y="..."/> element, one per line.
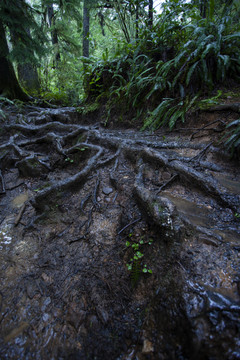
<point x="119" y="179"/>
<point x="122" y="53"/>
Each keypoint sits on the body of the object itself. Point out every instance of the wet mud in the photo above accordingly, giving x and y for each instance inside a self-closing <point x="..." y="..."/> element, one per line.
<point x="116" y="244"/>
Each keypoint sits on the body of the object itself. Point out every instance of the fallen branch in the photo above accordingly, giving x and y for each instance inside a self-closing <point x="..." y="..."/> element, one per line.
<point x="20" y="214"/>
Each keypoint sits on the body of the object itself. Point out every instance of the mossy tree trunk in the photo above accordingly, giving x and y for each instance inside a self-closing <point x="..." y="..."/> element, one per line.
<point x="85" y="29"/>
<point x="54" y="34"/>
<point x="9" y="86"/>
<point x="150" y="13"/>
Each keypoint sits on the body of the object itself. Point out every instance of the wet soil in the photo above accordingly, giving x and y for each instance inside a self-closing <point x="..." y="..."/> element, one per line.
<point x="117" y="244"/>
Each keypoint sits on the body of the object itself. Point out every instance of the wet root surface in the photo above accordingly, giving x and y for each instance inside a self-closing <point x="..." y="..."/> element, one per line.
<point x="115" y="244"/>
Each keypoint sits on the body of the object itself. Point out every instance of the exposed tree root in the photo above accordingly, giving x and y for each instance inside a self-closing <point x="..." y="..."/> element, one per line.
<point x="235" y="107"/>
<point x="3" y="190"/>
<point x="58" y="141"/>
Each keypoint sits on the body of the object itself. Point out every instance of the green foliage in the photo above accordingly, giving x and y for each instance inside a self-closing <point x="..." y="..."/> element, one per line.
<point x="168" y="112"/>
<point x="232" y="143"/>
<point x="209" y="102"/>
<point x="55" y="96"/>
<point x="69" y="160"/>
<point x="26" y="35"/>
<point x="182" y="57"/>
<point x="157" y="76"/>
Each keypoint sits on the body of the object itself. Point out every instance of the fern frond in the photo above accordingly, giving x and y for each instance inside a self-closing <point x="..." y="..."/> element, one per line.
<point x="190" y="72"/>
<point x="209" y="47"/>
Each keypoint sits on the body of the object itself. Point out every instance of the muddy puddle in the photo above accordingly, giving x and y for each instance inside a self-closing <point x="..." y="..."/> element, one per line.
<point x="93" y="274"/>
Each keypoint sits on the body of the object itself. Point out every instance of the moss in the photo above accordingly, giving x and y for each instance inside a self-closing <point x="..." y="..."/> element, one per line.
<point x="88" y="108"/>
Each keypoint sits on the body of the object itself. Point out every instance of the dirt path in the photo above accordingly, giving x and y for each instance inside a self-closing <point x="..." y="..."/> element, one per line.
<point x="115" y="243"/>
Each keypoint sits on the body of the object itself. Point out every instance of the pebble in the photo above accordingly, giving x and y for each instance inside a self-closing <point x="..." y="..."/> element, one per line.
<point x="166" y="176"/>
<point x="107" y="190"/>
<point x="147" y="347"/>
<point x="45" y="317"/>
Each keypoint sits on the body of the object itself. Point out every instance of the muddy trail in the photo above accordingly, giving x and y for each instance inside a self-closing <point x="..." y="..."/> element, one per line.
<point x="116" y="244"/>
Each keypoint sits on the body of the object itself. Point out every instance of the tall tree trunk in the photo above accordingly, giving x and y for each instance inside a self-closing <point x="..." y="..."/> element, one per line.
<point x="86" y="27"/>
<point x="122" y="20"/>
<point x="150" y="13"/>
<point x="203" y="8"/>
<point x="9" y="86"/>
<point x="137" y="20"/>
<point x="28" y="77"/>
<point x="27" y="72"/>
<point x="54" y="34"/>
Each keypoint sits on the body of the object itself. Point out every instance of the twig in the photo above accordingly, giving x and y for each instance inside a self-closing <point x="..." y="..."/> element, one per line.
<point x="204" y="127"/>
<point x="116" y="164"/>
<point x="181" y="265"/>
<point x="84" y="201"/>
<point x="15" y="186"/>
<point x="167" y="183"/>
<point x="115" y="197"/>
<point x="95" y="192"/>
<point x="131" y="223"/>
<point x="200" y="154"/>
<point x="3" y="191"/>
<point x="76" y="240"/>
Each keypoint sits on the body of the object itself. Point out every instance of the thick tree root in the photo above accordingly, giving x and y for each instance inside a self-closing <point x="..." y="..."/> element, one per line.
<point x="235" y="107"/>
<point x="56" y="140"/>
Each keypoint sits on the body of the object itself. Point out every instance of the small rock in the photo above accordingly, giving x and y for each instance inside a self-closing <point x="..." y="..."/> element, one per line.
<point x="103" y="315"/>
<point x="147" y="347"/>
<point x="107" y="190"/>
<point x="45" y="317"/>
<point x="46" y="278"/>
<point x="32" y="290"/>
<point x="76" y="319"/>
<point x="166" y="176"/>
<point x="93" y="321"/>
<point x="46" y="302"/>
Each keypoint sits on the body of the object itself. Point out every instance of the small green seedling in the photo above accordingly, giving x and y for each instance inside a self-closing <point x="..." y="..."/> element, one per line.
<point x="69" y="160"/>
<point x="135" y="263"/>
<point x="146" y="270"/>
<point x="81" y="149"/>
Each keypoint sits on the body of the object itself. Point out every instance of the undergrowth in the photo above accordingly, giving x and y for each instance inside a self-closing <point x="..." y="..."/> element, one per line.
<point x="232" y="143"/>
<point x="160" y="77"/>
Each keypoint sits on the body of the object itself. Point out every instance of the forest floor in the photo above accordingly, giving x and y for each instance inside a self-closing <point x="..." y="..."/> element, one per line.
<point x="115" y="243"/>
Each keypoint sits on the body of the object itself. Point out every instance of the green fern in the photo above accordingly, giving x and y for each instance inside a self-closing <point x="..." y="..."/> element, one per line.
<point x="232" y="143"/>
<point x="169" y="111"/>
